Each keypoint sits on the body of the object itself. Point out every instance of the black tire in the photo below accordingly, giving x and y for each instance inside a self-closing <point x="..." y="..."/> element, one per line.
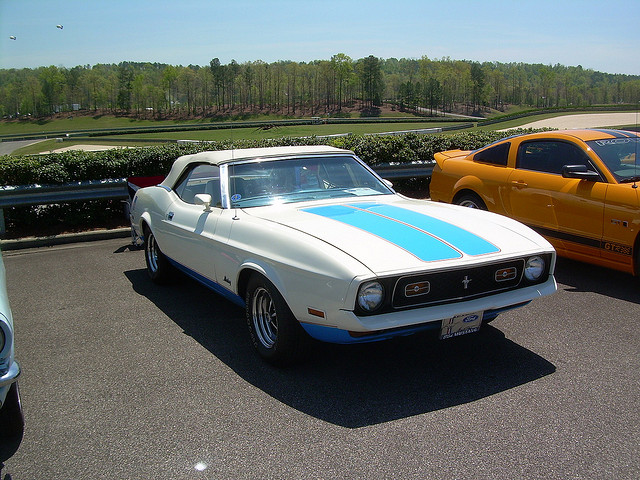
<point x="158" y="266"/>
<point x="470" y="200"/>
<point x="636" y="262"/>
<point x="275" y="333"/>
<point x="11" y="424"/>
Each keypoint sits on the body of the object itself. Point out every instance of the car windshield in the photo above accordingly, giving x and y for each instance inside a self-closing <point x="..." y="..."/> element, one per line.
<point x="620" y="155"/>
<point x="271" y="182"/>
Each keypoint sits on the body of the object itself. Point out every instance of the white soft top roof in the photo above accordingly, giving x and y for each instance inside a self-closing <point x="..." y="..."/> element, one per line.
<point x="223" y="156"/>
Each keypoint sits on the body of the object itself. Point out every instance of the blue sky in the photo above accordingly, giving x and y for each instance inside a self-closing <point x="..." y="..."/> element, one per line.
<point x="594" y="34"/>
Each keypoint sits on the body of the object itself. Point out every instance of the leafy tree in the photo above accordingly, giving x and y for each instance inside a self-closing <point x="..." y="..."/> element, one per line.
<point x="343" y="68"/>
<point x="309" y="88"/>
<point x="478" y="79"/>
<point x="52" y="87"/>
<point x="125" y="87"/>
<point x="370" y="74"/>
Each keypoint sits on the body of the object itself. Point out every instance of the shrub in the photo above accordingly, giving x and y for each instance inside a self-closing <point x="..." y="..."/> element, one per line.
<point x="74" y="166"/>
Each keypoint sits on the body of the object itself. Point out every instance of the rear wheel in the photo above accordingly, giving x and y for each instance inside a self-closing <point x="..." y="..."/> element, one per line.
<point x="158" y="266"/>
<point x="275" y="333"/>
<point x="470" y="200"/>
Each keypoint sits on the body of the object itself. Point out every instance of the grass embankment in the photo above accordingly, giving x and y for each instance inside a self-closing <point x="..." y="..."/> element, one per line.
<point x="73" y="124"/>
<point x="251" y="133"/>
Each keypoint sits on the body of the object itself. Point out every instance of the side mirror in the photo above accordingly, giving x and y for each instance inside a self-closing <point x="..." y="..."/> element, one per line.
<point x="204" y="199"/>
<point x="388" y="183"/>
<point x="580" y="172"/>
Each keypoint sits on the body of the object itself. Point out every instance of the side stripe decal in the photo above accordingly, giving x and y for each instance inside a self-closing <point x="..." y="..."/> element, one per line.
<point x="216" y="287"/>
<point x="586" y="241"/>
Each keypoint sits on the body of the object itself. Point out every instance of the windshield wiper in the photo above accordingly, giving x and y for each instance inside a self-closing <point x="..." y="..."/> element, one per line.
<point x="631" y="179"/>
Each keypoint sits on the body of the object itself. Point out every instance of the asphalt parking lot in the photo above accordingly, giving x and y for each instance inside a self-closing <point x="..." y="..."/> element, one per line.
<point x="124" y="379"/>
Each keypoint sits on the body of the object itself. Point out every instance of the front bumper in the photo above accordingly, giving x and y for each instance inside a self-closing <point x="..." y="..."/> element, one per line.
<point x="8" y="379"/>
<point x="349" y="328"/>
<point x="11" y="375"/>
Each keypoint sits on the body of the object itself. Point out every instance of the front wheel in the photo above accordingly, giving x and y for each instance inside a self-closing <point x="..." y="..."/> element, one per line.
<point x="11" y="424"/>
<point x="470" y="200"/>
<point x="275" y="333"/>
<point x="158" y="266"/>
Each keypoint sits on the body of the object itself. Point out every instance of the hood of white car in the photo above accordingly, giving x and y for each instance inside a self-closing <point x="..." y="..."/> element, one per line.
<point x="392" y="234"/>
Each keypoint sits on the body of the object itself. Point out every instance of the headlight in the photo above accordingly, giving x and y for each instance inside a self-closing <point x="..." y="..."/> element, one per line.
<point x="370" y="296"/>
<point x="534" y="268"/>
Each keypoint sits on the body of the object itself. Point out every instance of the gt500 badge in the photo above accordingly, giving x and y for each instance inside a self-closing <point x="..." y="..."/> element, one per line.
<point x="617" y="248"/>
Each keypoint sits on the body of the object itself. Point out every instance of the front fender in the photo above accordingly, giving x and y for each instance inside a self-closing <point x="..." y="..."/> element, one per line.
<point x="249" y="267"/>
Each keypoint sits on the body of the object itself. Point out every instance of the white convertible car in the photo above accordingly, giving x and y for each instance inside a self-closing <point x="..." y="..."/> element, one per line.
<point x="314" y="244"/>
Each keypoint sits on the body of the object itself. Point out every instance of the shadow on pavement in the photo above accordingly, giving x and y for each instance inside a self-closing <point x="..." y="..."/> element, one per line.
<point x="576" y="276"/>
<point x="353" y="385"/>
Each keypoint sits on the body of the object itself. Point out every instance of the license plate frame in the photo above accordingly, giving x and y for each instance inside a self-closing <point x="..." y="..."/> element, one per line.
<point x="462" y="324"/>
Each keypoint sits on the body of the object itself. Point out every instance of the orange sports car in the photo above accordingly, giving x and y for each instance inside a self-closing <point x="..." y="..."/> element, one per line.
<point x="578" y="188"/>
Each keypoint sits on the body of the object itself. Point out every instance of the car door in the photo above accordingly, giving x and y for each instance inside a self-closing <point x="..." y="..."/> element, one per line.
<point x="568" y="211"/>
<point x="190" y="227"/>
<point x="621" y="223"/>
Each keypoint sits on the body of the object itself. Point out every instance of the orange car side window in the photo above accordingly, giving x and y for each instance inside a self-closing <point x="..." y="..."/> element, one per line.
<point x="550" y="156"/>
<point x="497" y="155"/>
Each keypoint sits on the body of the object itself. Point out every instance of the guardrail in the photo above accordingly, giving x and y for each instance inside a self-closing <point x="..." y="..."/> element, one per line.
<point x="27" y="195"/>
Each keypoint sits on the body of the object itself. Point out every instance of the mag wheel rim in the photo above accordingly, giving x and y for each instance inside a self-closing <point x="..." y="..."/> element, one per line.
<point x="469" y="204"/>
<point x="264" y="317"/>
<point x="152" y="253"/>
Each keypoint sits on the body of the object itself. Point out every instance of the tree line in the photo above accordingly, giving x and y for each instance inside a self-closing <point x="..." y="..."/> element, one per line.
<point x="299" y="88"/>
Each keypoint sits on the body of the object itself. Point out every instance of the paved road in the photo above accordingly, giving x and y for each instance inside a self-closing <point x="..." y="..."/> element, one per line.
<point x="123" y="379"/>
<point x="7" y="148"/>
<point x="587" y="120"/>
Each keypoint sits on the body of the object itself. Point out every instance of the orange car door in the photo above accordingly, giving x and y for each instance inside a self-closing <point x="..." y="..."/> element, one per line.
<point x="621" y="223"/>
<point x="567" y="211"/>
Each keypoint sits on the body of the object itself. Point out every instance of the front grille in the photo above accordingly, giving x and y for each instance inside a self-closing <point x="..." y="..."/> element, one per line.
<point x="454" y="285"/>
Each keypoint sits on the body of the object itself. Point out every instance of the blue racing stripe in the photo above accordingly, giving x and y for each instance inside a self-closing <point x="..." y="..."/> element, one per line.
<point x="455" y="236"/>
<point x="416" y="242"/>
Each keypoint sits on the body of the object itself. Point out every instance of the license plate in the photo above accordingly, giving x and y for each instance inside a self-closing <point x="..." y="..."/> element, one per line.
<point x="460" y="325"/>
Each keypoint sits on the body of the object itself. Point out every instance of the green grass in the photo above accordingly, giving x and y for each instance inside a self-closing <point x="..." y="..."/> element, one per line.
<point x="71" y="122"/>
<point x="252" y="133"/>
<point x="290" y="131"/>
<point x="138" y="139"/>
<point x="75" y="123"/>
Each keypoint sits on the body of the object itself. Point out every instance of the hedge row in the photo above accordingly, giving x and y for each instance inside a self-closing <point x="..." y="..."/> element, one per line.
<point x="72" y="166"/>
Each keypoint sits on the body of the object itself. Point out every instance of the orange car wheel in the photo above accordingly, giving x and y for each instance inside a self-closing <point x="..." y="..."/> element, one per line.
<point x="470" y="200"/>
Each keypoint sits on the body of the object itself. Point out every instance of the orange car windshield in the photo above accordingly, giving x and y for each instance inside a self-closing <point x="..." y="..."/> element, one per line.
<point x="620" y="156"/>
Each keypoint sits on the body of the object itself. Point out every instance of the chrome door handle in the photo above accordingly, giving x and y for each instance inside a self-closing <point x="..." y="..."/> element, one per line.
<point x="519" y="184"/>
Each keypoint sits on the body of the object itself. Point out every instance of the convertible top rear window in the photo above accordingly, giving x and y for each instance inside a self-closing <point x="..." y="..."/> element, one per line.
<point x="260" y="183"/>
